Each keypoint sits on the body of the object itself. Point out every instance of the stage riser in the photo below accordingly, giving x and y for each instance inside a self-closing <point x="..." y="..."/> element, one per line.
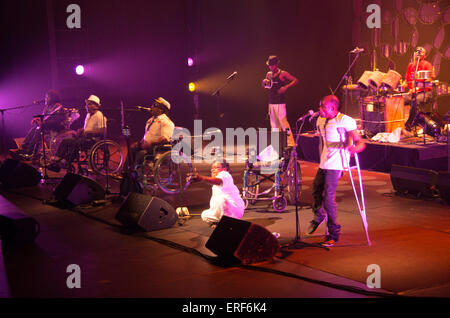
<point x="381" y="156"/>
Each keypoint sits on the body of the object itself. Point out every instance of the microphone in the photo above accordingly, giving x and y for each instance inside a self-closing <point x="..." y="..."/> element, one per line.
<point x="314" y="116"/>
<point x="310" y="113"/>
<point x="232" y="75"/>
<point x="143" y="108"/>
<point x="38" y="101"/>
<point x="357" y="50"/>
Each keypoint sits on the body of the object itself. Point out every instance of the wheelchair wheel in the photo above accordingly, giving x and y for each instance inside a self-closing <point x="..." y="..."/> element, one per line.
<point x="250" y="194"/>
<point x="170" y="176"/>
<point x="106" y="156"/>
<point x="290" y="176"/>
<point x="279" y="204"/>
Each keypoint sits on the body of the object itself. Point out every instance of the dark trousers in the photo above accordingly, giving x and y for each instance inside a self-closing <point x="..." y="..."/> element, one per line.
<point x="324" y="194"/>
<point x="417" y="105"/>
<point x="70" y="147"/>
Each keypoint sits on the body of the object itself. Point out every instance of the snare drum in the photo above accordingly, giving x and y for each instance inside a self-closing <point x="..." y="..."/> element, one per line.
<point x="423" y="75"/>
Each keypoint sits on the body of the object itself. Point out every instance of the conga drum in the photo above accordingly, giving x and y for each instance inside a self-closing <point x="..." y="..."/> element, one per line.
<point x="394" y="113"/>
<point x="363" y="81"/>
<point x="376" y="79"/>
<point x="391" y="80"/>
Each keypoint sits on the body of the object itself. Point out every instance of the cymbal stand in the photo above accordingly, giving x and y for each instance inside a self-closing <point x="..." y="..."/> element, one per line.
<point x="345" y="76"/>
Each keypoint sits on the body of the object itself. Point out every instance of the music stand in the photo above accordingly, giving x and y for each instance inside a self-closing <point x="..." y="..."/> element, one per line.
<point x="297" y="243"/>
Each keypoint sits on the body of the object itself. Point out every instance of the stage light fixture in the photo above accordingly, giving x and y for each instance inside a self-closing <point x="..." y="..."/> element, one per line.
<point x="191" y="87"/>
<point x="190" y="61"/>
<point x="79" y="69"/>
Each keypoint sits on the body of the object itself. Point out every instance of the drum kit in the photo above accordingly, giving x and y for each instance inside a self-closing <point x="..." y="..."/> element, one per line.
<point x="385" y="93"/>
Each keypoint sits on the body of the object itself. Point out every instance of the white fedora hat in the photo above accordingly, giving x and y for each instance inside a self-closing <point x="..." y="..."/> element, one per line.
<point x="94" y="99"/>
<point x="162" y="101"/>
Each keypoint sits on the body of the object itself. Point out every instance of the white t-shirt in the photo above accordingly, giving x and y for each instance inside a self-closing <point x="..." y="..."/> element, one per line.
<point x="226" y="197"/>
<point x="333" y="137"/>
<point x="94" y="122"/>
<point x="158" y="127"/>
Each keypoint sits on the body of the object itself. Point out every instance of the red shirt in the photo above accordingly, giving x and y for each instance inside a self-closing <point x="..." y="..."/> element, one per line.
<point x="423" y="66"/>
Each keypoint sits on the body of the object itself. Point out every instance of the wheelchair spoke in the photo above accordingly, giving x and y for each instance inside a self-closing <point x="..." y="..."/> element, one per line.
<point x="171" y="176"/>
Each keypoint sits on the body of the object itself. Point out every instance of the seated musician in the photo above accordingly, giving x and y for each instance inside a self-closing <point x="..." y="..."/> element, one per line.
<point x="54" y="116"/>
<point x="417" y="95"/>
<point x="94" y="129"/>
<point x="158" y="131"/>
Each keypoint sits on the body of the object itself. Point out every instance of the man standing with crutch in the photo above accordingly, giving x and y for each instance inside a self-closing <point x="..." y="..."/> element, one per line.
<point x="335" y="154"/>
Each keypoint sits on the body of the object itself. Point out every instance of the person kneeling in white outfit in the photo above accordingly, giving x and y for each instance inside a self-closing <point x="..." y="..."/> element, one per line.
<point x="225" y="198"/>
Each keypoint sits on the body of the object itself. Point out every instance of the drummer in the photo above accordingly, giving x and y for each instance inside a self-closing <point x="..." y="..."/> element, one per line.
<point x="416" y="83"/>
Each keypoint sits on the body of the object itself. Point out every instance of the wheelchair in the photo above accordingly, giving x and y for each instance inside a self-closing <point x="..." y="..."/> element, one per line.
<point x="101" y="157"/>
<point x="166" y="168"/>
<point x="280" y="173"/>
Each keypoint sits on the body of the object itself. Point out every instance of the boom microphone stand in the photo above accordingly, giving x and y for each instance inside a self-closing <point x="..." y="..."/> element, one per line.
<point x="217" y="92"/>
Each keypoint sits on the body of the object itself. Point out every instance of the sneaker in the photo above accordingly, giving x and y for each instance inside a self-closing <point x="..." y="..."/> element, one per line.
<point x="213" y="225"/>
<point x="328" y="243"/>
<point x="313" y="226"/>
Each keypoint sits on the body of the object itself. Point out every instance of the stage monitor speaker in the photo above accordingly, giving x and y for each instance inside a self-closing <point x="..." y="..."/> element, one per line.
<point x="75" y="190"/>
<point x="146" y="212"/>
<point x="414" y="181"/>
<point x="17" y="228"/>
<point x="443" y="186"/>
<point x="242" y="240"/>
<point x="15" y="174"/>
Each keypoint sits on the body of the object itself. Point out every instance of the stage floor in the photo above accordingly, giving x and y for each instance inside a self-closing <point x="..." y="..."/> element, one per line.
<point x="410" y="245"/>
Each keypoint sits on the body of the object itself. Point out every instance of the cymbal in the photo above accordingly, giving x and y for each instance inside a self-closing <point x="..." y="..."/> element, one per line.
<point x="351" y="87"/>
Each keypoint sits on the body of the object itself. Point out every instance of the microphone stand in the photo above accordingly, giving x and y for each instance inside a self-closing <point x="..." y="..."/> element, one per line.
<point x="297" y="243"/>
<point x="217" y="93"/>
<point x="107" y="187"/>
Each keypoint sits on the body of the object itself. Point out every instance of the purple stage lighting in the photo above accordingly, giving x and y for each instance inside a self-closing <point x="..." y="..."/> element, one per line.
<point x="79" y="69"/>
<point x="190" y="61"/>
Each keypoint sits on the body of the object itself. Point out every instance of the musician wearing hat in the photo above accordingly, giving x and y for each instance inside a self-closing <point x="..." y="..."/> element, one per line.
<point x="418" y="73"/>
<point x="158" y="131"/>
<point x="278" y="82"/>
<point x="94" y="128"/>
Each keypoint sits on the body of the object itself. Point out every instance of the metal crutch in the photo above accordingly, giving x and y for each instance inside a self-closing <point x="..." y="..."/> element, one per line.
<point x="362" y="211"/>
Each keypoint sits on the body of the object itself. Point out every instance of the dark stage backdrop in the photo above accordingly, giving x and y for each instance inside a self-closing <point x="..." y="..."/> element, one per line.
<point x="135" y="51"/>
<point x="405" y="24"/>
